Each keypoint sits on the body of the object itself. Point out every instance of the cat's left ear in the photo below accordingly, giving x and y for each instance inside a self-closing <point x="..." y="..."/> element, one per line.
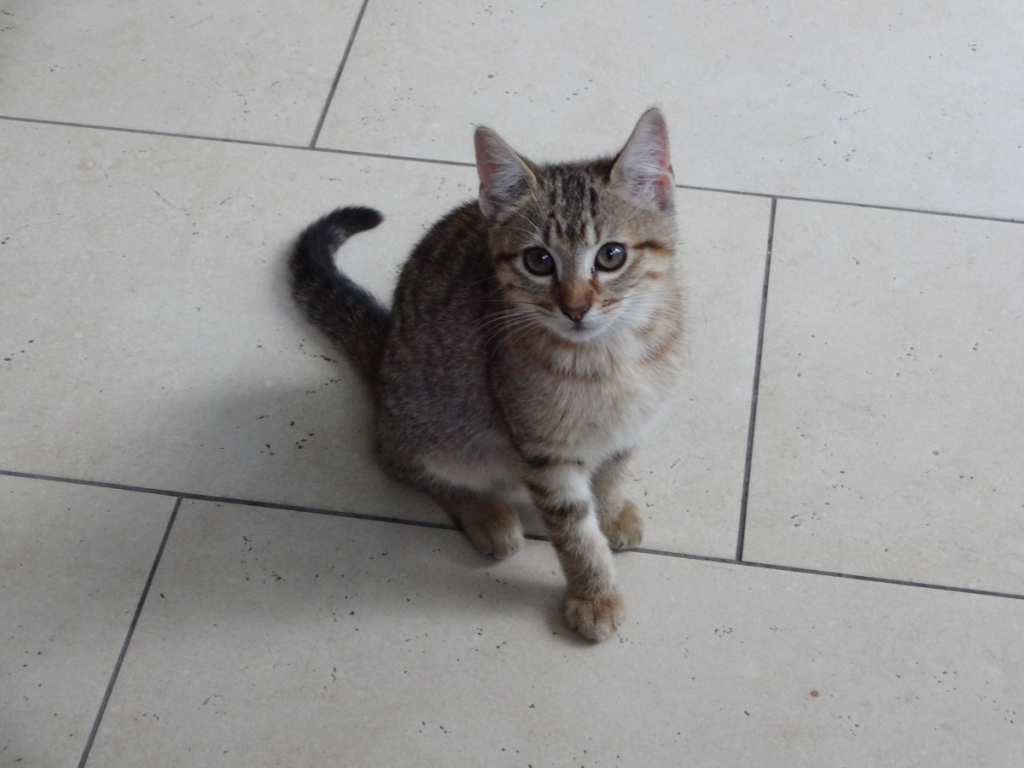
<point x="504" y="175"/>
<point x="643" y="168"/>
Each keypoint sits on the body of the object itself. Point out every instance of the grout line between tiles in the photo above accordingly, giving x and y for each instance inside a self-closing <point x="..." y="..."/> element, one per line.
<point x="431" y="161"/>
<point x="851" y="204"/>
<point x="832" y="574"/>
<point x="230" y="500"/>
<point x="382" y="156"/>
<point x="441" y="526"/>
<point x="742" y="527"/>
<point x="149" y="132"/>
<point x="128" y="637"/>
<point x="337" y="76"/>
<point x="243" y="142"/>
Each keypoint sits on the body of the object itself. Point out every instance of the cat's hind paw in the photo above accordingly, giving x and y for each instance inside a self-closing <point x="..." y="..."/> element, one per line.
<point x="596" y="618"/>
<point x="500" y="535"/>
<point x="625" y="531"/>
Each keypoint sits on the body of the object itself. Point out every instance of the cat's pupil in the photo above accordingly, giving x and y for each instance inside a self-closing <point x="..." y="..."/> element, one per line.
<point x="611" y="257"/>
<point x="538" y="262"/>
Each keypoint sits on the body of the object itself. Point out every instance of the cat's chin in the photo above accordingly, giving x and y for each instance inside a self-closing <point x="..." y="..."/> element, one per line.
<point x="581" y="334"/>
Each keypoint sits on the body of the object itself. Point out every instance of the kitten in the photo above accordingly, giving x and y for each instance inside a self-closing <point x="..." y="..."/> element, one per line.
<point x="533" y="338"/>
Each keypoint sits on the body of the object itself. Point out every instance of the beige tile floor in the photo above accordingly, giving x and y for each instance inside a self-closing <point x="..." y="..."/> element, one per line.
<point x="200" y="563"/>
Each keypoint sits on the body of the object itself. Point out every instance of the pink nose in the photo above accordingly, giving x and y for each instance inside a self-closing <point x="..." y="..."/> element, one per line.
<point x="576" y="313"/>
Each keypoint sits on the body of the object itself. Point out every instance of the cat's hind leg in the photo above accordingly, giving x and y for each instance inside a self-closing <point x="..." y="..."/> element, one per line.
<point x="487" y="519"/>
<point x="478" y="496"/>
<point x="619" y="517"/>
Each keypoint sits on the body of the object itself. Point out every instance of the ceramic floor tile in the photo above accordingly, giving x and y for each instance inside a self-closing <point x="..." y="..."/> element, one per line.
<point x="149" y="334"/>
<point x="688" y="477"/>
<point x="150" y="339"/>
<point x="887" y="440"/>
<point x="260" y="71"/>
<point x="147" y="339"/>
<point x="892" y="105"/>
<point x="73" y="565"/>
<point x="286" y="638"/>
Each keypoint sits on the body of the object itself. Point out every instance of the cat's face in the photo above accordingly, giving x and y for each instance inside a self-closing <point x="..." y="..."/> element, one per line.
<point x="577" y="258"/>
<point x="580" y="249"/>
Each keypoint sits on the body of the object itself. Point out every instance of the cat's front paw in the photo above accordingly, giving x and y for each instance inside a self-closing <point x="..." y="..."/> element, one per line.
<point x="596" y="618"/>
<point x="625" y="531"/>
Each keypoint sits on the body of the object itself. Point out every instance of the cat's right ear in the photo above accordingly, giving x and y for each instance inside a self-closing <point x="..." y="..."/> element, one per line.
<point x="504" y="175"/>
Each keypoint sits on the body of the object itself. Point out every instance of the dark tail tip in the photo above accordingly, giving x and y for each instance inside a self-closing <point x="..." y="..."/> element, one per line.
<point x="314" y="255"/>
<point x="353" y="219"/>
<point x="339" y="225"/>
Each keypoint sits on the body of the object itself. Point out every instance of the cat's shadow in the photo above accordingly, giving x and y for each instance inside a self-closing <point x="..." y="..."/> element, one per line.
<point x="311" y="447"/>
<point x="310" y="451"/>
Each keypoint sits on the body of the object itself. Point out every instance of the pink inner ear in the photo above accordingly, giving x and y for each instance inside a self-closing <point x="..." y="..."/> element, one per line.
<point x="650" y="177"/>
<point x="501" y="172"/>
<point x="645" y="166"/>
<point x="663" y="188"/>
<point x="486" y="167"/>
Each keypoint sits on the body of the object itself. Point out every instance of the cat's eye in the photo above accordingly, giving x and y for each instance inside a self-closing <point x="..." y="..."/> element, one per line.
<point x="610" y="257"/>
<point x="538" y="262"/>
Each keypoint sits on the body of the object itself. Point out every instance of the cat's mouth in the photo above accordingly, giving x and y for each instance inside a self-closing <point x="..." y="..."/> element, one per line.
<point x="580" y="332"/>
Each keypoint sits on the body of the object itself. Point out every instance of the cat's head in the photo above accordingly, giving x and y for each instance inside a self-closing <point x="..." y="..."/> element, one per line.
<point x="581" y="249"/>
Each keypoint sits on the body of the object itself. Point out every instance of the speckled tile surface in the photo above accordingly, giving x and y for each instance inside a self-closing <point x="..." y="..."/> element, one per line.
<point x="161" y="346"/>
<point x="830" y="572"/>
<point x="276" y="637"/>
<point x="257" y="71"/>
<point x="888" y="437"/>
<point x="907" y="106"/>
<point x="73" y="564"/>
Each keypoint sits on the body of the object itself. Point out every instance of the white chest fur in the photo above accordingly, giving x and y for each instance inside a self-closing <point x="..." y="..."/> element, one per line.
<point x="592" y="401"/>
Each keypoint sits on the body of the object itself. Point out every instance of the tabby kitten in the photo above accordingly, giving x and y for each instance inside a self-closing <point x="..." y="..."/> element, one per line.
<point x="533" y="339"/>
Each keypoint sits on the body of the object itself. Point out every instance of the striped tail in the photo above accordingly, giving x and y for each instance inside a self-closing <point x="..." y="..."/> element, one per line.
<point x="351" y="318"/>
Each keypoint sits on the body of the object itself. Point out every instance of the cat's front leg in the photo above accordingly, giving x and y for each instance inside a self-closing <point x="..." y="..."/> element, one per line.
<point x="561" y="491"/>
<point x="618" y="516"/>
